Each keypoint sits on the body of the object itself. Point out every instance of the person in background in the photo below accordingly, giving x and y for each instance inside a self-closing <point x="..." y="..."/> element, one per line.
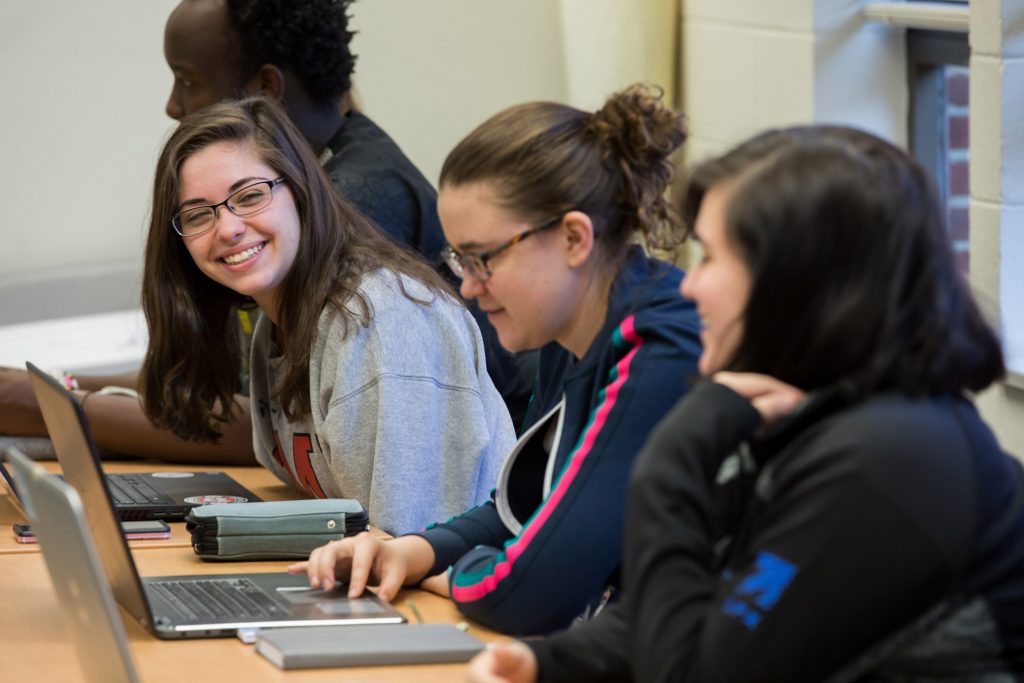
<point x="827" y="505"/>
<point x="298" y="54"/>
<point x="543" y="206"/>
<point x="368" y="379"/>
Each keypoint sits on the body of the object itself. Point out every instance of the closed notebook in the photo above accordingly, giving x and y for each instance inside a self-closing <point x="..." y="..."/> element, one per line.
<point x="327" y="646"/>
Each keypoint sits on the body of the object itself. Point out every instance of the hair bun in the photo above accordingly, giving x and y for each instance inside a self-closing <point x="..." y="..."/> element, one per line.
<point x="546" y="158"/>
<point x="638" y="133"/>
<point x="637" y="126"/>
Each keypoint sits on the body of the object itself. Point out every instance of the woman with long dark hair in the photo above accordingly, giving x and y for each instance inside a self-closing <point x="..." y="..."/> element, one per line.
<point x="367" y="378"/>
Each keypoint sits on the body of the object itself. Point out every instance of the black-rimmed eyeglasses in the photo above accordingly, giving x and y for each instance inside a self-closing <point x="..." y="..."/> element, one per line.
<point x="196" y="220"/>
<point x="477" y="265"/>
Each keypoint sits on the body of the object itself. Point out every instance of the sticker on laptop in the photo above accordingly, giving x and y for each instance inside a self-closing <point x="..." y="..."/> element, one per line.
<point x="214" y="499"/>
<point x="172" y="475"/>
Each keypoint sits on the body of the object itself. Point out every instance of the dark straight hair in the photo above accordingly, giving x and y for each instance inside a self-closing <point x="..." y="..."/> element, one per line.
<point x="853" y="280"/>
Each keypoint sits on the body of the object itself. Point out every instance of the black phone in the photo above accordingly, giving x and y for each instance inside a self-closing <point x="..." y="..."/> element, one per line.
<point x="133" y="531"/>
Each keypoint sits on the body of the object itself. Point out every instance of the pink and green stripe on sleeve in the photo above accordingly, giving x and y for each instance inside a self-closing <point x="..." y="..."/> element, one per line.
<point x="471" y="586"/>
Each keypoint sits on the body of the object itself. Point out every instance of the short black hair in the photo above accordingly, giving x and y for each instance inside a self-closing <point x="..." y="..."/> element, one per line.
<point x="311" y="38"/>
<point x="853" y="280"/>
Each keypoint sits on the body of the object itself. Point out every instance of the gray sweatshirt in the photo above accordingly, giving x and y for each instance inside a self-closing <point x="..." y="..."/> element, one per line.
<point x="404" y="417"/>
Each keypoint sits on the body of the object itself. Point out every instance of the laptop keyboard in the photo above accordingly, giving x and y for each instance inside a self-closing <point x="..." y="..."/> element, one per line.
<point x="129" y="489"/>
<point x="234" y="599"/>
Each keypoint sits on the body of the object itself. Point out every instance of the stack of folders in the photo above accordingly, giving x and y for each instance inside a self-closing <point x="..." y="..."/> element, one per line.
<point x="385" y="644"/>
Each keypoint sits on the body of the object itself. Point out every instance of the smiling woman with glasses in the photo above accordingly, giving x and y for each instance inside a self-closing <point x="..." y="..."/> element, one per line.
<point x="367" y="374"/>
<point x="542" y="207"/>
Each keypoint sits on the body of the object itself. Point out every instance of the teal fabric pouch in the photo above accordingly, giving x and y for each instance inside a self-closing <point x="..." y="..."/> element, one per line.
<point x="279" y="530"/>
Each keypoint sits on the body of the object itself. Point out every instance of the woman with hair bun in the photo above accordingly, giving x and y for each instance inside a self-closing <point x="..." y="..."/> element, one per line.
<point x="543" y="207"/>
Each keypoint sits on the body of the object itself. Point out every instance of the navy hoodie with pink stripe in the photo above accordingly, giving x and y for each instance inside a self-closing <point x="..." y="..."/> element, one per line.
<point x="547" y="548"/>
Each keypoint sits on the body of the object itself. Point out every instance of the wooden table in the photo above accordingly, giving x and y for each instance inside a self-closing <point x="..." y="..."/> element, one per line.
<point x="34" y="645"/>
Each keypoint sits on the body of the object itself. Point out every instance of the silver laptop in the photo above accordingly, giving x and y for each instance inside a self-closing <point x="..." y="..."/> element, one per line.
<point x="205" y="606"/>
<point x="144" y="495"/>
<point x="82" y="591"/>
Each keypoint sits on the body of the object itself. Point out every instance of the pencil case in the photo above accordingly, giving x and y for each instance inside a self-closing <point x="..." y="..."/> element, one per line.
<point x="279" y="530"/>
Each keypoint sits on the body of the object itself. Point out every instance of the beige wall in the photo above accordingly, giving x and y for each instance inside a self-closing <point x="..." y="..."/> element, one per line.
<point x="997" y="197"/>
<point x="428" y="72"/>
<point x="83" y="102"/>
<point x="612" y="43"/>
<point x="750" y="65"/>
<point x="446" y="65"/>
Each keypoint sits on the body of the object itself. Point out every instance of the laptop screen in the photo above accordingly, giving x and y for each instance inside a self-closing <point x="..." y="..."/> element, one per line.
<point x="80" y="461"/>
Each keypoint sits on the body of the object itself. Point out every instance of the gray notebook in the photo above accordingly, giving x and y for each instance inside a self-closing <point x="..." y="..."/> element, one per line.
<point x="327" y="646"/>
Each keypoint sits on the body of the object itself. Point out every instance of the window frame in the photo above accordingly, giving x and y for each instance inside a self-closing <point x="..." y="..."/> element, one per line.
<point x="928" y="53"/>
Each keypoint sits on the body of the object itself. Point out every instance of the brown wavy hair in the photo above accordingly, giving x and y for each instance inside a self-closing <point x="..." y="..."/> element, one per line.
<point x="614" y="165"/>
<point x="190" y="373"/>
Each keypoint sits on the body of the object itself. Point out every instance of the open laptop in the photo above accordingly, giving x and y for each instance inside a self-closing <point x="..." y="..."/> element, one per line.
<point x="172" y="607"/>
<point x="83" y="593"/>
<point x="150" y="495"/>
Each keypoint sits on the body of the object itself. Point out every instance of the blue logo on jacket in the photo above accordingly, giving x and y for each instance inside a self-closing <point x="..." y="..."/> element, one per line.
<point x="757" y="594"/>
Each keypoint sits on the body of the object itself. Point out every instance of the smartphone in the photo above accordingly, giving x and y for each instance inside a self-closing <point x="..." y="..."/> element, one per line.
<point x="133" y="531"/>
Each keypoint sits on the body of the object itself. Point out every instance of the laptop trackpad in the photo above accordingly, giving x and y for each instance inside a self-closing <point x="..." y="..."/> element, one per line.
<point x="333" y="602"/>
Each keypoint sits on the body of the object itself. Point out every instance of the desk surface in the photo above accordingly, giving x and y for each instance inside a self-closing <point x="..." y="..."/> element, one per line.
<point x="34" y="645"/>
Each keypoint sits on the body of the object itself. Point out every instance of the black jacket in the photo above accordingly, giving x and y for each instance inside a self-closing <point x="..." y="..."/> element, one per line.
<point x="851" y="542"/>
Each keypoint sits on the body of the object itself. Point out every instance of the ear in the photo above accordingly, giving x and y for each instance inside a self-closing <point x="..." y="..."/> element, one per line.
<point x="577" y="232"/>
<point x="268" y="80"/>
